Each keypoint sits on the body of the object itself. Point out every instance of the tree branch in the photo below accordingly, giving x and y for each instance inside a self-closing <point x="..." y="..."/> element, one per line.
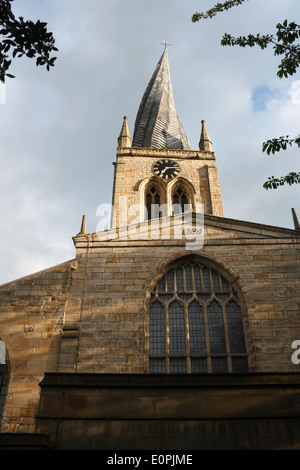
<point x="274" y="183"/>
<point x="219" y="7"/>
<point x="279" y="143"/>
<point x="283" y="45"/>
<point x="23" y="38"/>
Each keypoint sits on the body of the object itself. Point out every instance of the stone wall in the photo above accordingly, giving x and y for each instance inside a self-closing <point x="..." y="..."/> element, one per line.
<point x="170" y="412"/>
<point x="91" y="315"/>
<point x="133" y="166"/>
<point x="32" y="312"/>
<point x="114" y="279"/>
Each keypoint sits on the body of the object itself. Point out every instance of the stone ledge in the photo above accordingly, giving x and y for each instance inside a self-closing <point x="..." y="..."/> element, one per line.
<point x="17" y="441"/>
<point x="247" y="230"/>
<point x="160" y="153"/>
<point x="90" y="380"/>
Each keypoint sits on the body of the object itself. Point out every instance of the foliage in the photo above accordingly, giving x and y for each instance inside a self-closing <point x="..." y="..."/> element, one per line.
<point x="216" y="9"/>
<point x="284" y="44"/>
<point x="280" y="143"/>
<point x="274" y="183"/>
<point x="23" y="38"/>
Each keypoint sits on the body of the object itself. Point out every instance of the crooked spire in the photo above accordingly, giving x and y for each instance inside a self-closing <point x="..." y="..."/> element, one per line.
<point x="157" y="123"/>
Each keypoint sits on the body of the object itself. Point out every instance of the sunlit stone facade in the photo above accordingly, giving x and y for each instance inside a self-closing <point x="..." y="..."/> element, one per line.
<point x="168" y="322"/>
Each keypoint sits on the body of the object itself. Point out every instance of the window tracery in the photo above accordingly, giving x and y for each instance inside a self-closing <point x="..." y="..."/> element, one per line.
<point x="195" y="323"/>
<point x="153" y="202"/>
<point x="180" y="200"/>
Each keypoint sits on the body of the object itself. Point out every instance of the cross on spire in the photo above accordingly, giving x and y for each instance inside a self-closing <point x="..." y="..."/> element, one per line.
<point x="165" y="43"/>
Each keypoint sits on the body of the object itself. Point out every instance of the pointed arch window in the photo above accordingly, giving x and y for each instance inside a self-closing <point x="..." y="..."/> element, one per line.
<point x="3" y="377"/>
<point x="195" y="323"/>
<point x="180" y="200"/>
<point x="153" y="202"/>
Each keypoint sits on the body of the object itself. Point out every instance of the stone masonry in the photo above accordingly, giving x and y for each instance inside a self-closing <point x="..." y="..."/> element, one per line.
<point x="90" y="314"/>
<point x="88" y="318"/>
<point x="133" y="171"/>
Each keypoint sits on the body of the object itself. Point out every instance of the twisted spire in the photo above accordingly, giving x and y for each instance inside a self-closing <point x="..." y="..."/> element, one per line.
<point x="157" y="123"/>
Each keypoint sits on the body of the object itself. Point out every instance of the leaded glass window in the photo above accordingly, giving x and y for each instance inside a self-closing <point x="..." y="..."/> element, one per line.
<point x="152" y="203"/>
<point x="180" y="200"/>
<point x="195" y="323"/>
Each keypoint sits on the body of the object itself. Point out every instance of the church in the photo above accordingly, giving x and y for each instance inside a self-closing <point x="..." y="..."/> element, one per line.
<point x="176" y="328"/>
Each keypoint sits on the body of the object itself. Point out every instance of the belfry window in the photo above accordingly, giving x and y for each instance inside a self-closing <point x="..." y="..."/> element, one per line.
<point x="179" y="201"/>
<point x="153" y="201"/>
<point x="195" y="323"/>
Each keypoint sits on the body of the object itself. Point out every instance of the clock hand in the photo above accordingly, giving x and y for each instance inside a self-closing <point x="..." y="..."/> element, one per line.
<point x="164" y="169"/>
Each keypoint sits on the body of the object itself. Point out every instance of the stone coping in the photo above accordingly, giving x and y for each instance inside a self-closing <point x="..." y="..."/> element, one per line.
<point x="123" y="233"/>
<point x="166" y="153"/>
<point x="24" y="441"/>
<point x="93" y="380"/>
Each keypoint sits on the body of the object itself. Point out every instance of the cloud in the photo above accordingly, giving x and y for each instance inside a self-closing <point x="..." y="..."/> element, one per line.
<point x="59" y="129"/>
<point x="261" y="95"/>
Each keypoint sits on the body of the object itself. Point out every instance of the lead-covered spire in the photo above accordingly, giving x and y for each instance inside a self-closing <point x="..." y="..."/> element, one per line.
<point x="157" y="123"/>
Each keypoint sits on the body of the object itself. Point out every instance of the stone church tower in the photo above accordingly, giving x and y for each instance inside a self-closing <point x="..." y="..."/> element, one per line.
<point x="176" y="328"/>
<point x="160" y="164"/>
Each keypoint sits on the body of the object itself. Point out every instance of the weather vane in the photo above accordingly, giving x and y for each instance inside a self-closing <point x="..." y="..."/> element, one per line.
<point x="165" y="43"/>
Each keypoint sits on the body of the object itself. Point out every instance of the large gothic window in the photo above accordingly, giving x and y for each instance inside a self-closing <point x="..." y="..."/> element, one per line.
<point x="195" y="323"/>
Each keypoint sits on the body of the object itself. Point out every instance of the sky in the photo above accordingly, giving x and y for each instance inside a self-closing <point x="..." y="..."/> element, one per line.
<point x="59" y="129"/>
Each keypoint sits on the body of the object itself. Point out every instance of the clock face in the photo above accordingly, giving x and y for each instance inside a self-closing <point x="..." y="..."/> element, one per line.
<point x="167" y="169"/>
